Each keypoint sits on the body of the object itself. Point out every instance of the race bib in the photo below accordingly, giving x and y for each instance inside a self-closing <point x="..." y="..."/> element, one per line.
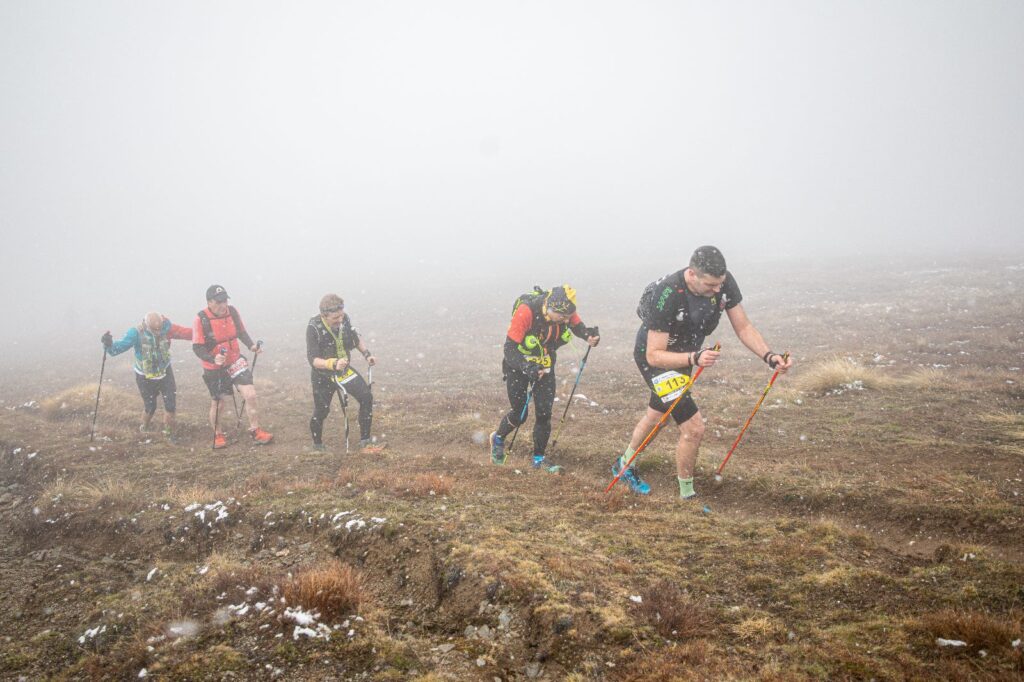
<point x="543" y="360"/>
<point x="237" y="367"/>
<point x="670" y="385"/>
<point x="155" y="376"/>
<point x="342" y="379"/>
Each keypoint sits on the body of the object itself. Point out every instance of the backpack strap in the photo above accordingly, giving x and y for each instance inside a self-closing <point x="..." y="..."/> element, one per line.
<point x="204" y="320"/>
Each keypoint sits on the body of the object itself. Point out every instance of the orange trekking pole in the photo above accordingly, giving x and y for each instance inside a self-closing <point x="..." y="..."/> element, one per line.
<point x="658" y="426"/>
<point x="764" y="394"/>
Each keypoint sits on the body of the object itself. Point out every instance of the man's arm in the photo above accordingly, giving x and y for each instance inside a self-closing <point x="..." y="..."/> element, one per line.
<point x="240" y="330"/>
<point x="179" y="332"/>
<point x="128" y="341"/>
<point x="751" y="338"/>
<point x="658" y="354"/>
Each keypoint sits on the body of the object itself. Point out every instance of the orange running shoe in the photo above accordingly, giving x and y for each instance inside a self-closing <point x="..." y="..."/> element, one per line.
<point x="219" y="441"/>
<point x="368" y="447"/>
<point x="260" y="436"/>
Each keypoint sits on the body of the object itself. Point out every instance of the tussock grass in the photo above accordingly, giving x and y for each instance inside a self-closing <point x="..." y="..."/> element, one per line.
<point x="78" y="495"/>
<point x="334" y="590"/>
<point x="759" y="629"/>
<point x="189" y="494"/>
<point x="979" y="630"/>
<point x="839" y="373"/>
<point x="673" y="613"/>
<point x="424" y="485"/>
<point x="79" y="401"/>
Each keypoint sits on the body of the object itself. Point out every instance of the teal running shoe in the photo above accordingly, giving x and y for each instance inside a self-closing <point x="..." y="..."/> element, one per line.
<point x="497" y="449"/>
<point x="629" y="476"/>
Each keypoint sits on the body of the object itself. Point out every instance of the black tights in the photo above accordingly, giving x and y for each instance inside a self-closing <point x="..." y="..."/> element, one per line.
<point x="542" y="397"/>
<point x="323" y="393"/>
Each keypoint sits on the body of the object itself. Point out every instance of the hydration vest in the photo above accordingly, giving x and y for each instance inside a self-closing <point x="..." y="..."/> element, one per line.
<point x="544" y="337"/>
<point x="154" y="354"/>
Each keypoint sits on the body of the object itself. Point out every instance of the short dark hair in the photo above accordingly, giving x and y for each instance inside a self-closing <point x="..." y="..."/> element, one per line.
<point x="708" y="260"/>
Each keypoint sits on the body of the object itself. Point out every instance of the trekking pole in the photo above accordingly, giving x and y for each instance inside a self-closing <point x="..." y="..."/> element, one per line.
<point x="259" y="344"/>
<point x="343" y="399"/>
<point x="216" y="422"/>
<point x="583" y="363"/>
<point x="96" y="410"/>
<point x="661" y="422"/>
<point x="522" y="418"/>
<point x="238" y="415"/>
<point x="764" y="394"/>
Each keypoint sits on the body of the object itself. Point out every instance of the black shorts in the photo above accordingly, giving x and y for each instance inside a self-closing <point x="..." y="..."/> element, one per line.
<point x="683" y="410"/>
<point x="221" y="384"/>
<point x="151" y="388"/>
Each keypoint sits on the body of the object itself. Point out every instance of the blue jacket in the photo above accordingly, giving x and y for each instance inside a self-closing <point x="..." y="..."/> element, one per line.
<point x="152" y="351"/>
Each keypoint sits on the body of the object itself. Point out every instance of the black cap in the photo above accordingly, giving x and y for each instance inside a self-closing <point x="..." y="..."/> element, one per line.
<point x="216" y="293"/>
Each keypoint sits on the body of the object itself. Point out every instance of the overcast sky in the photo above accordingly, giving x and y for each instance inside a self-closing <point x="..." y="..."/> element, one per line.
<point x="148" y="149"/>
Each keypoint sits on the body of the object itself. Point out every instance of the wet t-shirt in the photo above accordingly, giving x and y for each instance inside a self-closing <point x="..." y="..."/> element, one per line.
<point x="668" y="306"/>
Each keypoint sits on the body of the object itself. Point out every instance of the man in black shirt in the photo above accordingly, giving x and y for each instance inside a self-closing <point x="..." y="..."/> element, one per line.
<point x="330" y="339"/>
<point x="678" y="312"/>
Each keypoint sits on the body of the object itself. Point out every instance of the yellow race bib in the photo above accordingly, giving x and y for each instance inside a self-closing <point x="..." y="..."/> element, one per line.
<point x="670" y="385"/>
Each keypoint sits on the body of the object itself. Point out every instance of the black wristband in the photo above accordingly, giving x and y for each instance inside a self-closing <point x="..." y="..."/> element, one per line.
<point x="768" y="356"/>
<point x="367" y="353"/>
<point x="696" y="358"/>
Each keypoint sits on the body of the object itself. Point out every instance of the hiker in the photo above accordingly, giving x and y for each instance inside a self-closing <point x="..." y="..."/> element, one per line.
<point x="678" y="312"/>
<point x="215" y="335"/>
<point x="542" y="322"/>
<point x="330" y="338"/>
<point x="151" y="341"/>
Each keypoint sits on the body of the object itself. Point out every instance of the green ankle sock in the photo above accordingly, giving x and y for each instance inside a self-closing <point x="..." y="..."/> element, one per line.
<point x="686" y="487"/>
<point x="626" y="457"/>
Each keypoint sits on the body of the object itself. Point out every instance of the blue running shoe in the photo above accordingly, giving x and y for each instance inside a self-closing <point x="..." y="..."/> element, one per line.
<point x="538" y="461"/>
<point x="497" y="449"/>
<point x="629" y="476"/>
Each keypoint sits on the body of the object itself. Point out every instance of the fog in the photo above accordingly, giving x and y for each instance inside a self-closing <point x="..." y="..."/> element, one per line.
<point x="406" y="152"/>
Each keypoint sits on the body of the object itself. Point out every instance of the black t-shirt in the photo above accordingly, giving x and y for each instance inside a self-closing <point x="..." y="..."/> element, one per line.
<point x="320" y="342"/>
<point x="668" y="306"/>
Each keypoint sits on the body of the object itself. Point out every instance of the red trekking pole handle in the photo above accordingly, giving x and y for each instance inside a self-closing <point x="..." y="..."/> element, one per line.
<point x="764" y="394"/>
<point x="661" y="422"/>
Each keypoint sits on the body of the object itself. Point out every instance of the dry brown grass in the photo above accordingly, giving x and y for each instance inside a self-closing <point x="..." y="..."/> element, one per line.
<point x="673" y="613"/>
<point x="837" y="373"/>
<point x="424" y="485"/>
<point x="78" y="495"/>
<point x="334" y="590"/>
<point x="1011" y="424"/>
<point x="184" y="495"/>
<point x="78" y="402"/>
<point x="979" y="630"/>
<point x="758" y="629"/>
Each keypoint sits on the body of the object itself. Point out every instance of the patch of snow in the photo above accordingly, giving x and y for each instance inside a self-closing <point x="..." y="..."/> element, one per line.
<point x="300" y="617"/>
<point x="949" y="642"/>
<point x="91" y="633"/>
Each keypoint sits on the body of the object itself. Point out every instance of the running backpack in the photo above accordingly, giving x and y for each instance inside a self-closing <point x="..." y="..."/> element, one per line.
<point x="529" y="299"/>
<point x="204" y="320"/>
<point x="655" y="293"/>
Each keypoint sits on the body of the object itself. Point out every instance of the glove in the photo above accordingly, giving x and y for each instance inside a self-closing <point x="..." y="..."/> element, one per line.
<point x="592" y="331"/>
<point x="535" y="371"/>
<point x="107" y="340"/>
